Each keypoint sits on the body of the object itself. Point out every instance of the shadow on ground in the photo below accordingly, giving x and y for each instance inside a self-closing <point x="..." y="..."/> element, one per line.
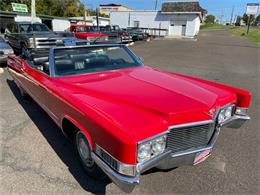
<point x="61" y="145"/>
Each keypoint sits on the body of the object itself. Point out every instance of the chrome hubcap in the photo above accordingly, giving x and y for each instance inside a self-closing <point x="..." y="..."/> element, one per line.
<point x="84" y="152"/>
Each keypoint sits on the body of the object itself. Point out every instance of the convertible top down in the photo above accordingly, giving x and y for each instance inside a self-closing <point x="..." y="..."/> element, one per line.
<point x="124" y="117"/>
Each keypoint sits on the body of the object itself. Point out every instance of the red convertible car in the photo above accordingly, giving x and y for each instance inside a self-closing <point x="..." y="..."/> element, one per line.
<point x="124" y="117"/>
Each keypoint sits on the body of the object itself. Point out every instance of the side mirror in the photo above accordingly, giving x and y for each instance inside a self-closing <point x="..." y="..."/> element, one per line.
<point x="141" y="59"/>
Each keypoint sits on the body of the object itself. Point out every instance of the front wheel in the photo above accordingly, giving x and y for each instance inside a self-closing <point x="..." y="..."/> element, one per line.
<point x="84" y="154"/>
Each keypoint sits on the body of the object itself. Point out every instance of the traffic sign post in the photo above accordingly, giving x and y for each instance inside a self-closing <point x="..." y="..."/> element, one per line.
<point x="251" y="10"/>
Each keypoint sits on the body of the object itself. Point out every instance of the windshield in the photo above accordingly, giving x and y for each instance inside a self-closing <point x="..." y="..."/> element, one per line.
<point x="86" y="29"/>
<point x="73" y="61"/>
<point x="28" y="28"/>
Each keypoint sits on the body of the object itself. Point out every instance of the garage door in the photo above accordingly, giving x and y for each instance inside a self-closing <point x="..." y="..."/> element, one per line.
<point x="177" y="28"/>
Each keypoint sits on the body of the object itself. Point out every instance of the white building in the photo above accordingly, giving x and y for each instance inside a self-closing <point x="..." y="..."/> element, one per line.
<point x="91" y="20"/>
<point x="175" y="19"/>
<point x="54" y="23"/>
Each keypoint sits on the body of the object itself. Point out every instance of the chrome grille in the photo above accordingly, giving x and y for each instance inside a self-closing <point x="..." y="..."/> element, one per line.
<point x="185" y="138"/>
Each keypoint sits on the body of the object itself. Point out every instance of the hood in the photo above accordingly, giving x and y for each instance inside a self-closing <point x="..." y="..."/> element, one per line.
<point x="45" y="35"/>
<point x="4" y="45"/>
<point x="147" y="95"/>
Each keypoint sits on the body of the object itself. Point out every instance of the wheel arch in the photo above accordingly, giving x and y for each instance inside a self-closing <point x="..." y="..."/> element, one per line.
<point x="67" y="124"/>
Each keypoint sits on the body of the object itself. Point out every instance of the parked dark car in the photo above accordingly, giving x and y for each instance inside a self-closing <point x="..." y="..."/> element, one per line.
<point x="137" y="33"/>
<point x="25" y="35"/>
<point x="5" y="50"/>
<point x="116" y="34"/>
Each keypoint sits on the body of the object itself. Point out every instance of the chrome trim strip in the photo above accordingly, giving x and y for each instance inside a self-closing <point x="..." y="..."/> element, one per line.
<point x="153" y="137"/>
<point x="187" y="152"/>
<point x="144" y="166"/>
<point x="192" y="124"/>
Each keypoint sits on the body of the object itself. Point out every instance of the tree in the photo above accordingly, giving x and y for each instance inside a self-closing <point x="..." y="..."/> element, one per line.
<point x="238" y="20"/>
<point x="257" y="20"/>
<point x="245" y="19"/>
<point x="210" y="19"/>
<point x="62" y="8"/>
<point x="6" y="5"/>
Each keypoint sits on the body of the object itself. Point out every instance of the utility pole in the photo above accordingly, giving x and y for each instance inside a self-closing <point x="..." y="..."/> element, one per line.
<point x="33" y="12"/>
<point x="33" y="20"/>
<point x="248" y="23"/>
<point x="97" y="17"/>
<point x="221" y="17"/>
<point x="155" y="6"/>
<point x="232" y="14"/>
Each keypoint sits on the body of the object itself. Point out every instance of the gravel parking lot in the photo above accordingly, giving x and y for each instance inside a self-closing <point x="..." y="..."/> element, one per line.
<point x="36" y="158"/>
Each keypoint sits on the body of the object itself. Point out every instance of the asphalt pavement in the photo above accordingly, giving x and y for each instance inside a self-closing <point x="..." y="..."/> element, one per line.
<point x="35" y="157"/>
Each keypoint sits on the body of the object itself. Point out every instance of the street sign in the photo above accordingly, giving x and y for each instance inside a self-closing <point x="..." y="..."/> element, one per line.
<point x="252" y="8"/>
<point x="18" y="7"/>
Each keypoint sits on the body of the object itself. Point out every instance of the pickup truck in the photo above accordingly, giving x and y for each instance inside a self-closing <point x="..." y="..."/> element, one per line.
<point x="24" y="36"/>
<point x="116" y="34"/>
<point x="126" y="118"/>
<point x="87" y="32"/>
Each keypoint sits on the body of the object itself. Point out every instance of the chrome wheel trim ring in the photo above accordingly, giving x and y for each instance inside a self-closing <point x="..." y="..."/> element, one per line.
<point x="83" y="150"/>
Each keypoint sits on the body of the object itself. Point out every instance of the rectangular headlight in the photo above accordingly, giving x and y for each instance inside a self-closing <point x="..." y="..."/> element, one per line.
<point x="151" y="148"/>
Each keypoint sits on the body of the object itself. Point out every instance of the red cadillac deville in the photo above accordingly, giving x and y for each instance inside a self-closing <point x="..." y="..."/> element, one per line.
<point x="124" y="117"/>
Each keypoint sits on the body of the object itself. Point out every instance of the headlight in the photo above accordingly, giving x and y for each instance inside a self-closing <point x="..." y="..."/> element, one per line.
<point x="152" y="148"/>
<point x="225" y="114"/>
<point x="59" y="42"/>
<point x="8" y="51"/>
<point x="144" y="152"/>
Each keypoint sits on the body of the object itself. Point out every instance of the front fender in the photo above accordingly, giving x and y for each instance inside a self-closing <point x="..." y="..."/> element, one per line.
<point x="81" y="128"/>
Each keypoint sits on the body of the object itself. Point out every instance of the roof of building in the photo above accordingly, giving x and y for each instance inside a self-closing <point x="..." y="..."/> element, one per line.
<point x="182" y="7"/>
<point x="110" y="5"/>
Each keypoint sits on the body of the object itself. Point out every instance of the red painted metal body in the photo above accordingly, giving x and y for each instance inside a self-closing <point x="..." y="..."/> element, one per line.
<point x="84" y="35"/>
<point x="116" y="109"/>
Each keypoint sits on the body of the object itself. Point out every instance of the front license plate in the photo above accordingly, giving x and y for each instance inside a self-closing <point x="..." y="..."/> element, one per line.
<point x="201" y="156"/>
<point x="69" y="42"/>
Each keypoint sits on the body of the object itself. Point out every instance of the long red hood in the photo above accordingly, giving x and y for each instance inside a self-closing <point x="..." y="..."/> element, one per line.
<point x="137" y="98"/>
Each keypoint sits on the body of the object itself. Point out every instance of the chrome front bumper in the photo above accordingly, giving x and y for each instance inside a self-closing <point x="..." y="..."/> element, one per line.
<point x="166" y="160"/>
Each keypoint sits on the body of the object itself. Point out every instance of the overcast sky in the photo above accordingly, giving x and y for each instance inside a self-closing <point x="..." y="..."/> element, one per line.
<point x="216" y="7"/>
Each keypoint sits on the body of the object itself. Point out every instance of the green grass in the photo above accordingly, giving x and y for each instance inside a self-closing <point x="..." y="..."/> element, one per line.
<point x="209" y="27"/>
<point x="253" y="36"/>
